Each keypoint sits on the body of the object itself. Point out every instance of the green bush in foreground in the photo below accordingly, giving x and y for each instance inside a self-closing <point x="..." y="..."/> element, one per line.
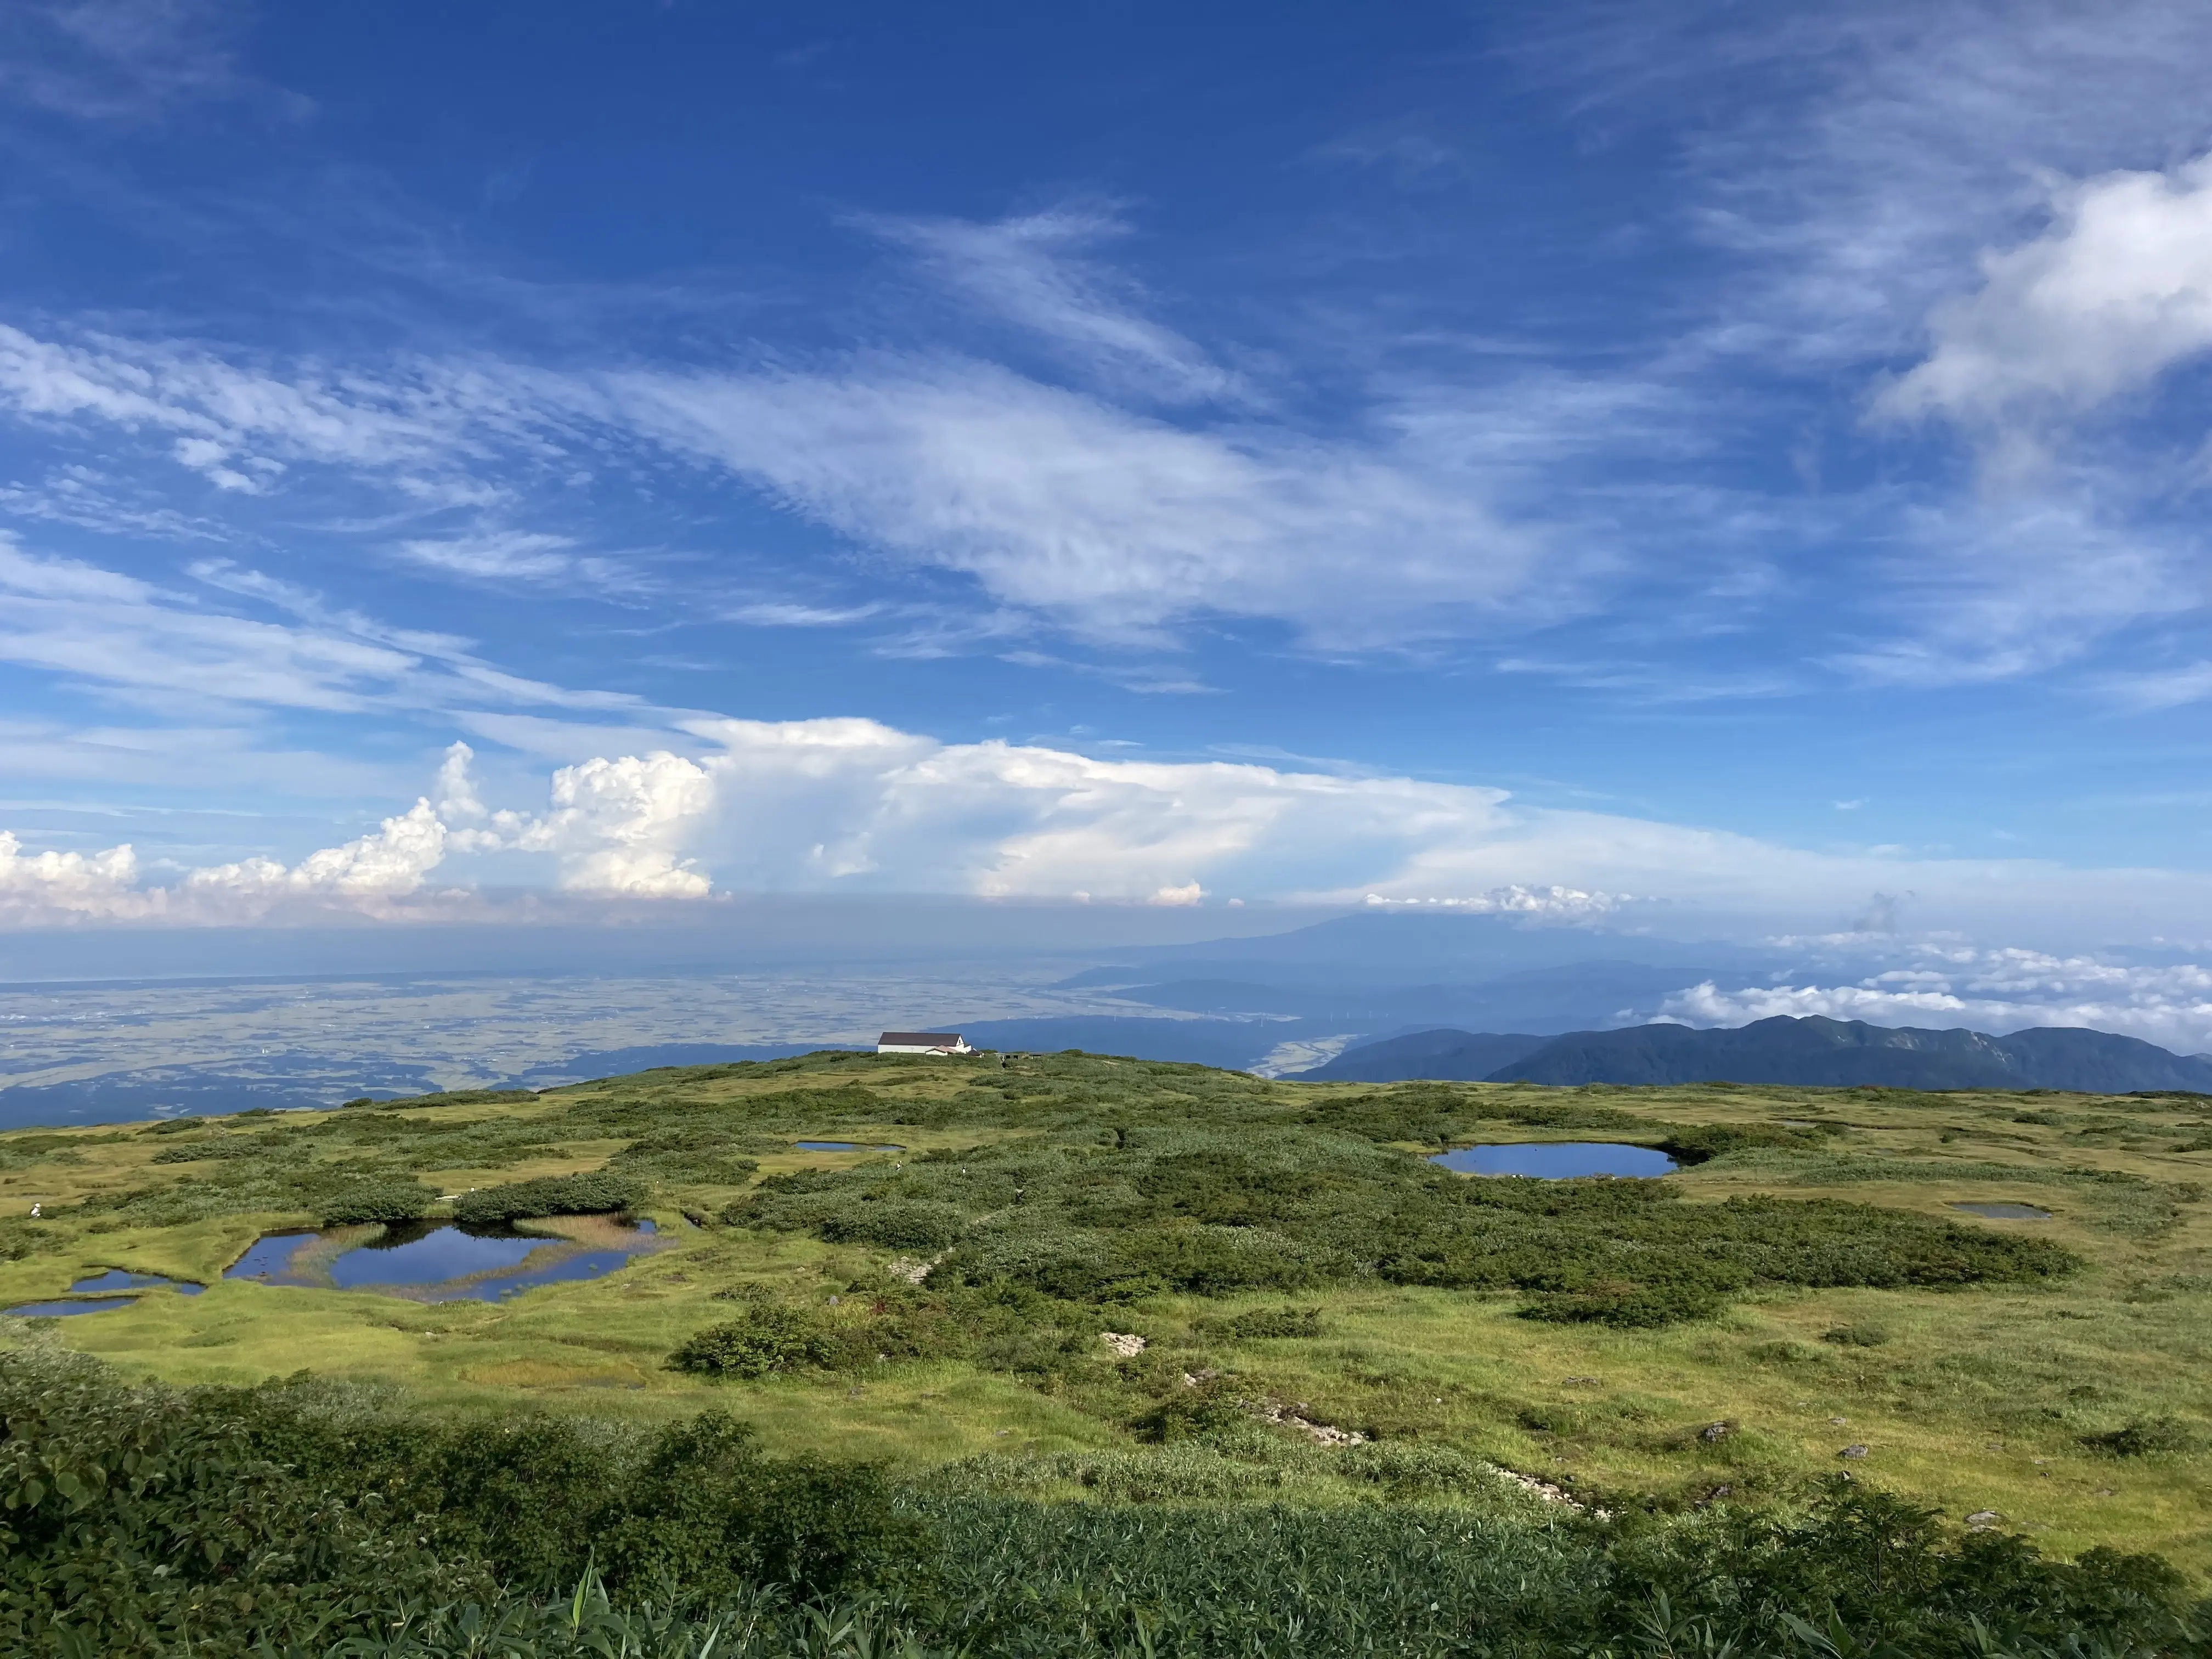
<point x="150" y="1521"/>
<point x="289" y="1522"/>
<point x="592" y="1193"/>
<point x="765" y="1337"/>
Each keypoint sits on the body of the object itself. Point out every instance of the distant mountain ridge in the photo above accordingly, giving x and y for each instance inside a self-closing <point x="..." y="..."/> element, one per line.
<point x="1812" y="1051"/>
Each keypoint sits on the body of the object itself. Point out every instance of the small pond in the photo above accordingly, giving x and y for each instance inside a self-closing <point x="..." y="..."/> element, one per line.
<point x="1557" y="1160"/>
<point x="58" y="1309"/>
<point x="2005" y="1212"/>
<point x="841" y="1146"/>
<point x="440" y="1261"/>
<point x="115" y="1279"/>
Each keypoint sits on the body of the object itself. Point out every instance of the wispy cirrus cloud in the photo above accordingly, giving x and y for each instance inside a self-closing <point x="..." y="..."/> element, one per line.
<point x="118" y="60"/>
<point x="1032" y="272"/>
<point x="1987" y="216"/>
<point x="138" y="641"/>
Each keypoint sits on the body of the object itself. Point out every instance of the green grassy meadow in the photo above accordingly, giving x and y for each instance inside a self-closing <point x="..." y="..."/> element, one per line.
<point x="1988" y="1394"/>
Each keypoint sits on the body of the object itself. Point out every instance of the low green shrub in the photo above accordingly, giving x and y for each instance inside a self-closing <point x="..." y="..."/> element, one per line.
<point x="592" y="1192"/>
<point x="2144" y="1438"/>
<point x="1263" y="1322"/>
<point x="1635" y="1308"/>
<point x="296" y="1521"/>
<point x="1206" y="1212"/>
<point x="387" y="1201"/>
<point x="764" y="1338"/>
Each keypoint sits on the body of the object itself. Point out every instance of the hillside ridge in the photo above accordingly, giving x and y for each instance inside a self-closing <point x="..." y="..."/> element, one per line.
<point x="1809" y="1051"/>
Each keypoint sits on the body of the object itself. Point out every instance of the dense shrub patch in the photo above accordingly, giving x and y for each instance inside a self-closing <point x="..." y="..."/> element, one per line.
<point x="289" y="1521"/>
<point x="765" y="1337"/>
<point x="148" y="1521"/>
<point x="591" y="1194"/>
<point x="1202" y="1211"/>
<point x="380" y="1201"/>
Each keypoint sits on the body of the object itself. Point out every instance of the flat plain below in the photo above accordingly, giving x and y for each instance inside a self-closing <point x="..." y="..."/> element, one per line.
<point x="1997" y="1399"/>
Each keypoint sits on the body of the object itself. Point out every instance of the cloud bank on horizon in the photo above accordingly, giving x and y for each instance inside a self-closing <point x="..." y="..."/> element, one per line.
<point x="1492" y="481"/>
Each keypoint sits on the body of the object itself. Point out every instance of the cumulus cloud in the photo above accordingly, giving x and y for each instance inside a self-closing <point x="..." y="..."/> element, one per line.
<point x="852" y="804"/>
<point x="1994" y="990"/>
<point x="614" y="825"/>
<point x="2117" y="290"/>
<point x="390" y="863"/>
<point x="363" y="876"/>
<point x="1557" y="901"/>
<point x="56" y="886"/>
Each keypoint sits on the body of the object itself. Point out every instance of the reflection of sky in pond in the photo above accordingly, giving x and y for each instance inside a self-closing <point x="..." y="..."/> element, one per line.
<point x="267" y="1254"/>
<point x="439" y="1254"/>
<point x="1561" y="1160"/>
<point x="116" y="1279"/>
<point x="448" y="1264"/>
<point x="2005" y="1212"/>
<point x="57" y="1309"/>
<point x="841" y="1146"/>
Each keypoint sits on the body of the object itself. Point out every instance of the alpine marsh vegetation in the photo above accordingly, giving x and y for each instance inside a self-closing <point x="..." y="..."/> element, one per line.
<point x="1330" y="1360"/>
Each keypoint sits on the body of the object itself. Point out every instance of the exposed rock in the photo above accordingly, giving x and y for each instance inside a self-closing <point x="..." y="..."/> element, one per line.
<point x="1983" y="1520"/>
<point x="1125" y="1345"/>
<point x="1852" y="1451"/>
<point x="1322" y="1434"/>
<point x="913" y="1270"/>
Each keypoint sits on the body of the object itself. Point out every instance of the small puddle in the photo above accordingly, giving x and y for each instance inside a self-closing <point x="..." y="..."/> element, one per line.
<point x="1557" y="1160"/>
<point x="2004" y="1212"/>
<point x="841" y="1146"/>
<point x="59" y="1309"/>
<point x="440" y="1261"/>
<point x="115" y="1279"/>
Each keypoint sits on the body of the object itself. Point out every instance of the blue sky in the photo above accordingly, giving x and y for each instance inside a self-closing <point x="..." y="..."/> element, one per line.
<point x="1732" y="460"/>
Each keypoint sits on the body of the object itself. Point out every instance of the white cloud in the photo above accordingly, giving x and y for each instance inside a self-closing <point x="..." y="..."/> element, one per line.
<point x="116" y="60"/>
<point x="831" y="806"/>
<point x="391" y="863"/>
<point x="76" y="619"/>
<point x="228" y="423"/>
<point x="615" y="826"/>
<point x="1999" y="588"/>
<point x="501" y="554"/>
<point x="1114" y="525"/>
<point x="154" y="645"/>
<point x="1992" y="990"/>
<point x="70" y="886"/>
<point x="2115" y="292"/>
<point x="1030" y="270"/>
<point x="508" y="556"/>
<point x="1870" y="157"/>
<point x="1058" y="503"/>
<point x="1554" y="901"/>
<point x="618" y="825"/>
